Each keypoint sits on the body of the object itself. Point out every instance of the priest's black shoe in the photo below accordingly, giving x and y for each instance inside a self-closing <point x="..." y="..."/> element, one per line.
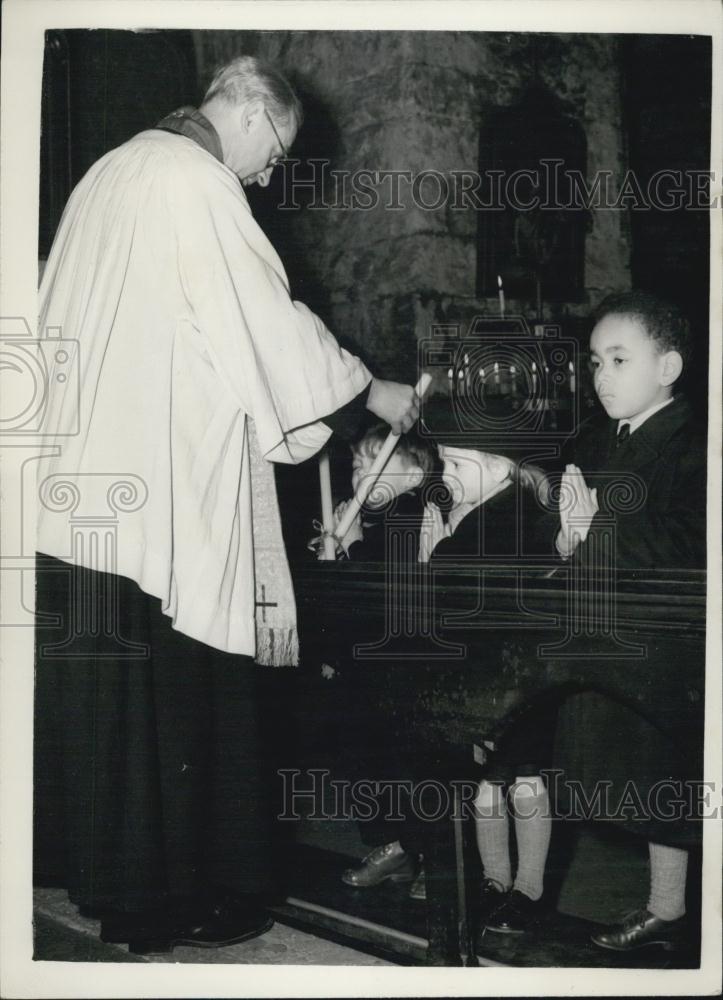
<point x="215" y="926"/>
<point x="516" y="914"/>
<point x="641" y="929"/>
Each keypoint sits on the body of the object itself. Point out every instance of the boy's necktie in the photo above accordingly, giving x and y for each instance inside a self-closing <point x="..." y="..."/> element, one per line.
<point x="623" y="435"/>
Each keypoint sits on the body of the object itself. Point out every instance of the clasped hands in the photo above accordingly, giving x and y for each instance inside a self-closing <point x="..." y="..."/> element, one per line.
<point x="432" y="532"/>
<point x="578" y="506"/>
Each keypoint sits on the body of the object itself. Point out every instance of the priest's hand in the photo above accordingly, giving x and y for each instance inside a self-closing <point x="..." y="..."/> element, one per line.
<point x="394" y="403"/>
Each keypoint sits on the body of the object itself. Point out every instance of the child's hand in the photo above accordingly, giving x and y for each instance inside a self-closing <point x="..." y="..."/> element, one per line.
<point x="432" y="532"/>
<point x="355" y="533"/>
<point x="316" y="544"/>
<point x="578" y="506"/>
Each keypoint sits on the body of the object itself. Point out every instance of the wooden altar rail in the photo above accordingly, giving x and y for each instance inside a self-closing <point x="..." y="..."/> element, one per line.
<point x="513" y="635"/>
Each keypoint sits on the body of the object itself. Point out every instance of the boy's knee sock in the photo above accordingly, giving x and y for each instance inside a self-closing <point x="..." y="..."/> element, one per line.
<point x="533" y="826"/>
<point x="668" y="870"/>
<point x="492" y="829"/>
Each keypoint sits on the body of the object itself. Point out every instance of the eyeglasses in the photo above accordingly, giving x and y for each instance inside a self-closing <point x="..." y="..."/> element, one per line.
<point x="284" y="151"/>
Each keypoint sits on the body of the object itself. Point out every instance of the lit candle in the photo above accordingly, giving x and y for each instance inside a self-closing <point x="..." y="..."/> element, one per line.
<point x="546" y="402"/>
<point x="497" y="373"/>
<point x="534" y="379"/>
<point x="501" y="296"/>
<point x="572" y="378"/>
<point x="460" y="382"/>
<point x="450" y="376"/>
<point x="513" y="377"/>
<point x="327" y="514"/>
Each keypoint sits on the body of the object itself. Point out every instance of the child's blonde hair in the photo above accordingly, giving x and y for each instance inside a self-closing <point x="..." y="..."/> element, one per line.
<point x="411" y="446"/>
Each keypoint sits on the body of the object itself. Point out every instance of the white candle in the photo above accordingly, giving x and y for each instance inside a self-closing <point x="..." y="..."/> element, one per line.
<point x="572" y="378"/>
<point x="501" y="296"/>
<point x="534" y="379"/>
<point x="382" y="457"/>
<point x="460" y="382"/>
<point x="327" y="512"/>
<point x="497" y="373"/>
<point x="513" y="377"/>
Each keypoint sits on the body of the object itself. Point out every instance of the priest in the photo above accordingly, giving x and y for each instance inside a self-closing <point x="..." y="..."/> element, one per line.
<point x="162" y="579"/>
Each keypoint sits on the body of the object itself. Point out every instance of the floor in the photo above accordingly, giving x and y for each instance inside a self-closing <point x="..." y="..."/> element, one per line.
<point x="605" y="877"/>
<point x="62" y="935"/>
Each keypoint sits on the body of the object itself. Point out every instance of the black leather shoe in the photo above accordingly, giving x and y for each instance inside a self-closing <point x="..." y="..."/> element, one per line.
<point x="215" y="926"/>
<point x="387" y="862"/>
<point x="642" y="929"/>
<point x="219" y="932"/>
<point x="491" y="897"/>
<point x="516" y="914"/>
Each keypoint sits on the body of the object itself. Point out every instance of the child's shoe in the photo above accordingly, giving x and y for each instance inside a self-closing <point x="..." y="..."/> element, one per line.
<point x="390" y="861"/>
<point x="641" y="929"/>
<point x="516" y="914"/>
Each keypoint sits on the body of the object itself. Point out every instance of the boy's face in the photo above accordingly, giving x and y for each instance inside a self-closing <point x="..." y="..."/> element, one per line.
<point x="399" y="475"/>
<point x="629" y="372"/>
<point x="470" y="476"/>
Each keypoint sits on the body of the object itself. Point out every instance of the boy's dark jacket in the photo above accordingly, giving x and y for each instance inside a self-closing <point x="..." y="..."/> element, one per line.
<point x="599" y="740"/>
<point x="653" y="485"/>
<point x="503" y="529"/>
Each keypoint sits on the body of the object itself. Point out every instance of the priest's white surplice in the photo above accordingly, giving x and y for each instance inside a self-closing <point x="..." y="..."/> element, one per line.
<point x="175" y="310"/>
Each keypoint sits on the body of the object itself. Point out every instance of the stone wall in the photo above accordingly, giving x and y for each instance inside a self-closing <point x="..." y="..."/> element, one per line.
<point x="415" y="101"/>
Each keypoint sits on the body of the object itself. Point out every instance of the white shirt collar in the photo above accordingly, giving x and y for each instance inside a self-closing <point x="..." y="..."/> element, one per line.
<point x="640" y="418"/>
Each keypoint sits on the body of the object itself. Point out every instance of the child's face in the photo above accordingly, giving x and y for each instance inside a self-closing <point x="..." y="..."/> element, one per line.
<point x="629" y="372"/>
<point x="399" y="475"/>
<point x="470" y="476"/>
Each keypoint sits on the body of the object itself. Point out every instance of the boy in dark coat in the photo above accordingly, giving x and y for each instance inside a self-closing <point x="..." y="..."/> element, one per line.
<point x="497" y="505"/>
<point x="386" y="530"/>
<point x="638" y="475"/>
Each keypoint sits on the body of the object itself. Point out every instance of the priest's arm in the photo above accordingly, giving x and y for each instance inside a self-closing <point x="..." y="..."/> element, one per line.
<point x="275" y="356"/>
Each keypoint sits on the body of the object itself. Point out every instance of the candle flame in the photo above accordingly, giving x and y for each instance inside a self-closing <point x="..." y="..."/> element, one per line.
<point x="499" y="281"/>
